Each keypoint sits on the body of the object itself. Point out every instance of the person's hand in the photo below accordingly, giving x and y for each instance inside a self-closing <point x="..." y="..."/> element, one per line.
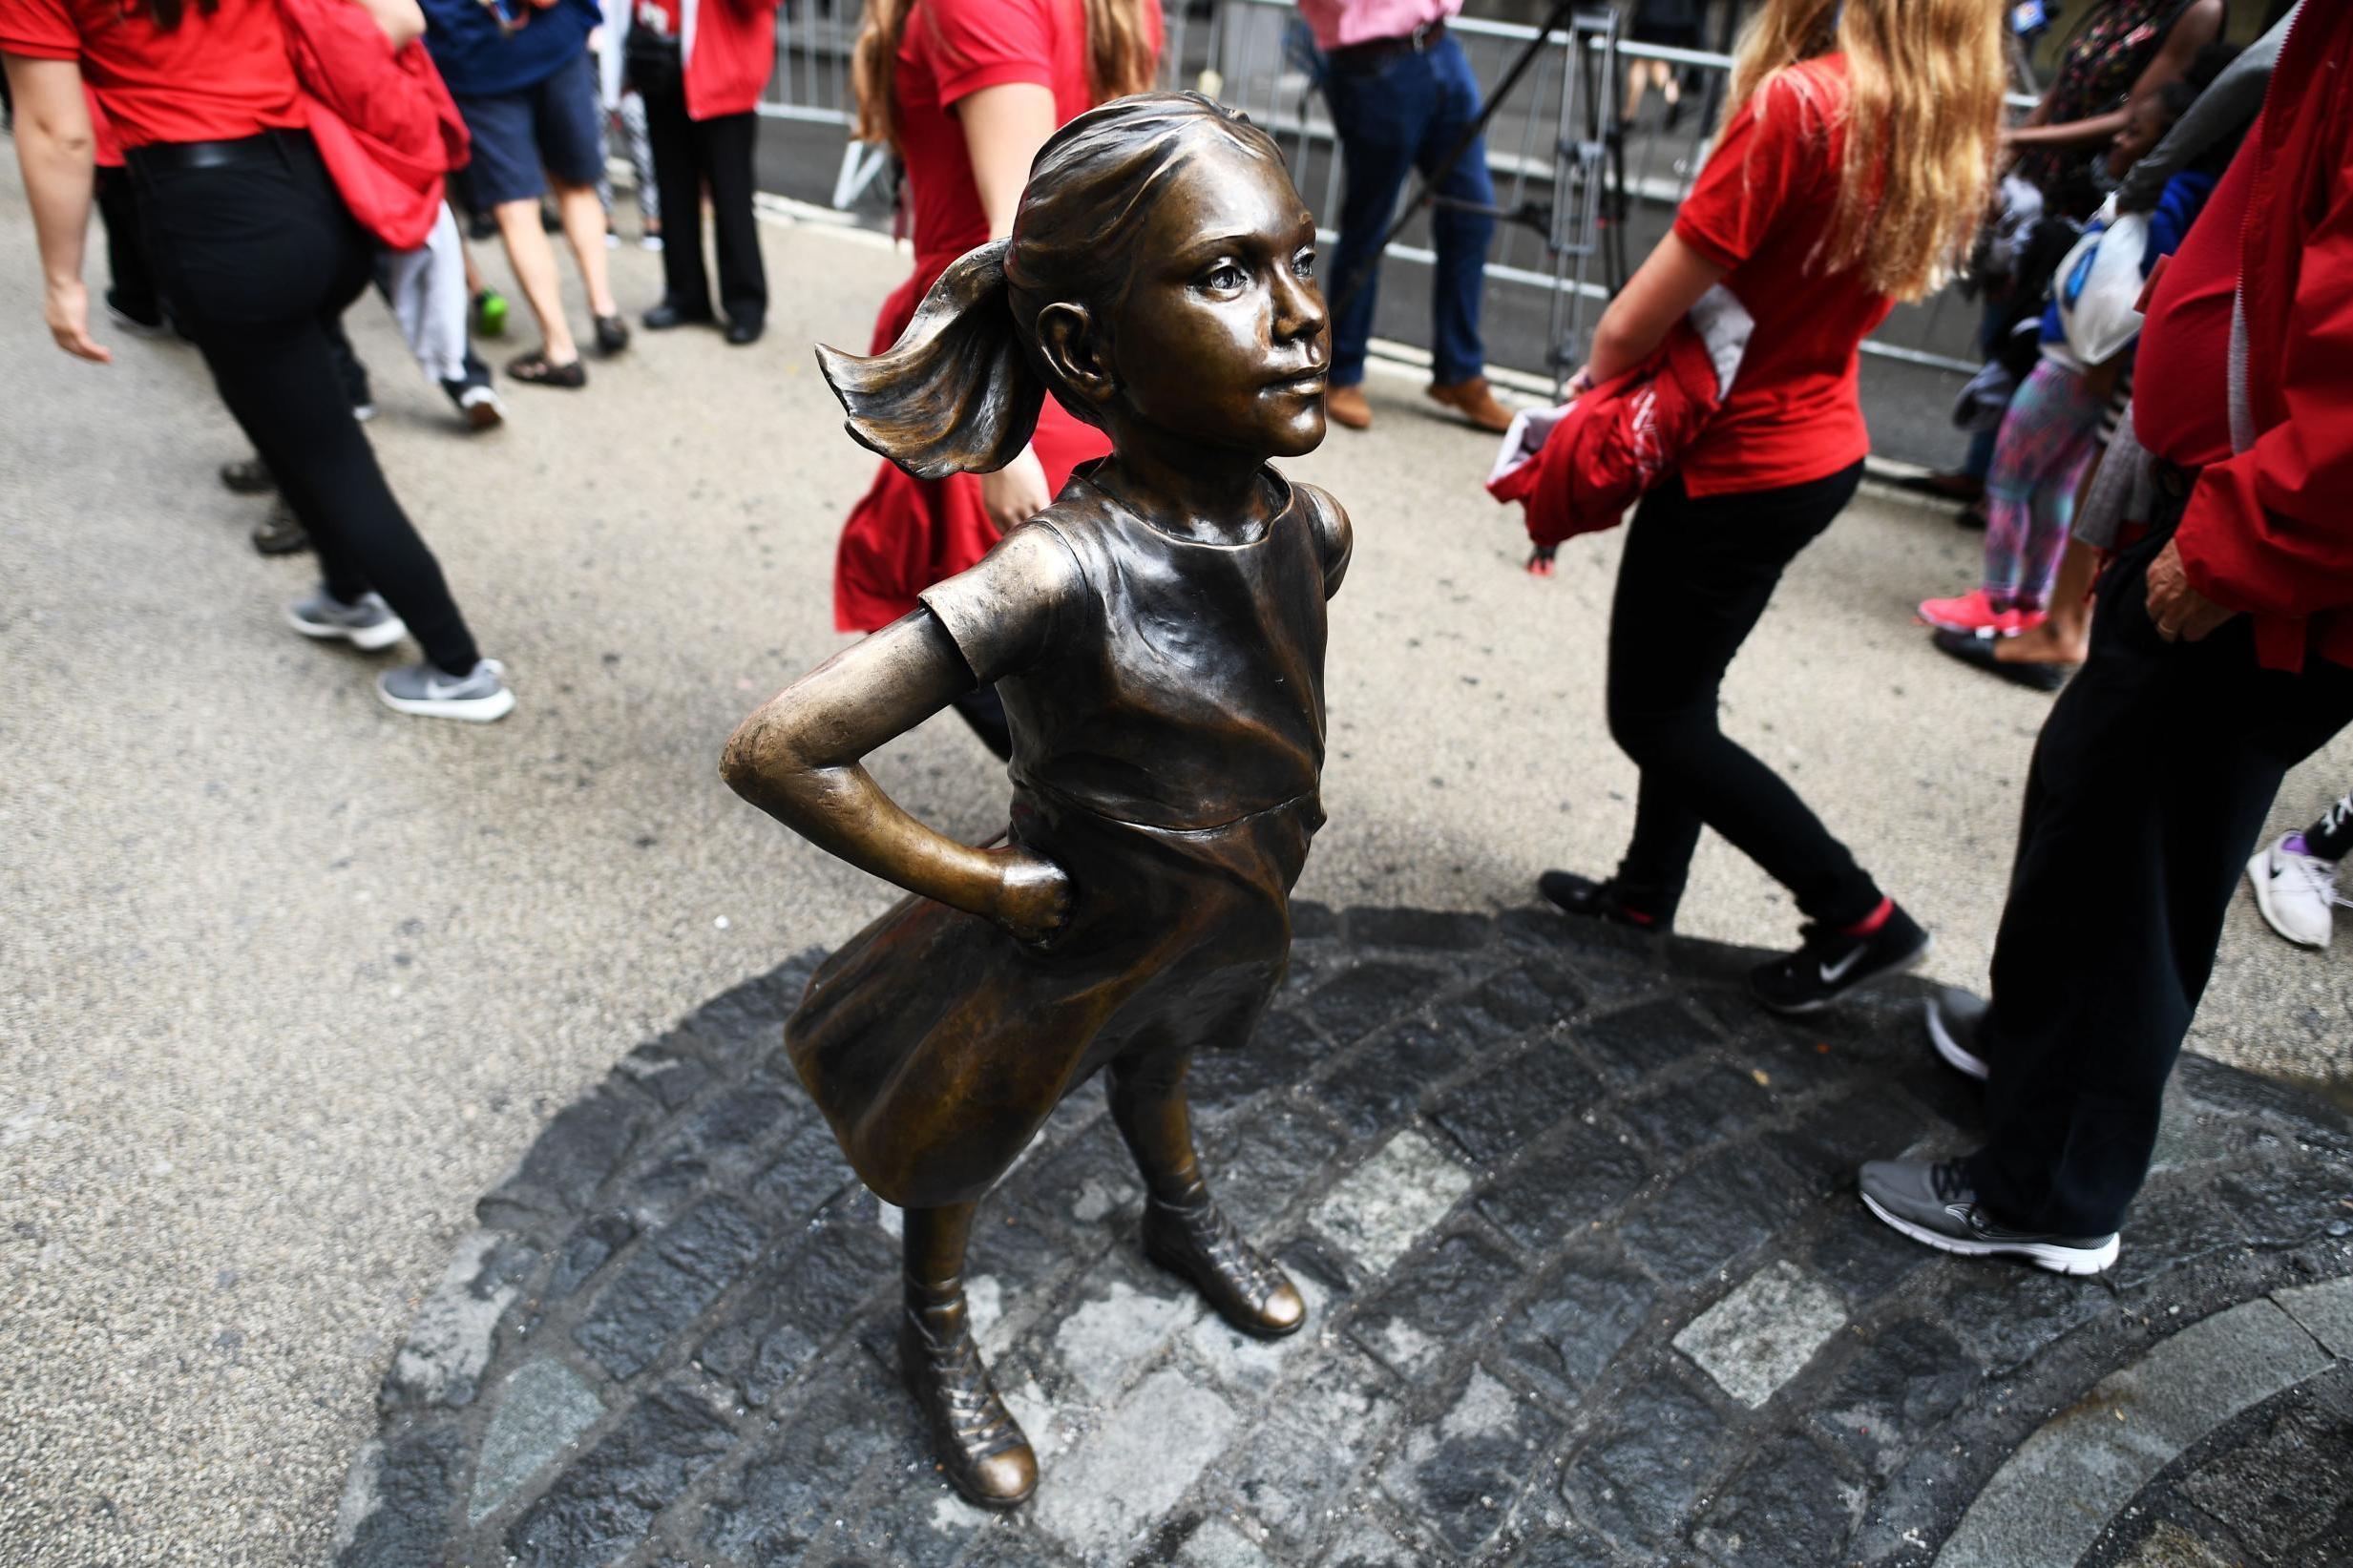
<point x="1015" y="492"/>
<point x="1033" y="895"/>
<point x="1580" y="383"/>
<point x="66" y="308"/>
<point x="2181" y="613"/>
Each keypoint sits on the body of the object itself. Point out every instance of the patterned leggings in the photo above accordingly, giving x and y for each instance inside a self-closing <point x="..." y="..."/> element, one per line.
<point x="2048" y="436"/>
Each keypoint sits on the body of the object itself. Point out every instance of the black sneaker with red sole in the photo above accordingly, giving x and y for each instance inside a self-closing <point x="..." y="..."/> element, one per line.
<point x="1831" y="964"/>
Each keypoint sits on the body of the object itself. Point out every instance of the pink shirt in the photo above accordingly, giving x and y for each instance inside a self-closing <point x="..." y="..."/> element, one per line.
<point x="1340" y="23"/>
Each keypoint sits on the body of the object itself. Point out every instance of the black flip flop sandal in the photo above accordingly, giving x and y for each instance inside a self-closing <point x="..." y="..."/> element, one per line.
<point x="1972" y="648"/>
<point x="536" y="369"/>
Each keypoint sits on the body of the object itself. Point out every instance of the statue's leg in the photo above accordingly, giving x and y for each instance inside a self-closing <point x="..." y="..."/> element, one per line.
<point x="980" y="1448"/>
<point x="1183" y="1230"/>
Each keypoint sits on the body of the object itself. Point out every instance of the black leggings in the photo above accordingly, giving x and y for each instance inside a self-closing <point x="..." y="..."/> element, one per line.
<point x="257" y="261"/>
<point x="1695" y="580"/>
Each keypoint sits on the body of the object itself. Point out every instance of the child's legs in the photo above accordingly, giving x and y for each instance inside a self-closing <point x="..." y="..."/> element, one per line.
<point x="2053" y="518"/>
<point x="640" y="147"/>
<point x="1149" y="1104"/>
<point x="933" y="1253"/>
<point x="2029" y="494"/>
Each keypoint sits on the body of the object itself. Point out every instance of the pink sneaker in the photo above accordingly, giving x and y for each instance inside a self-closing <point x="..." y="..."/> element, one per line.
<point x="1973" y="612"/>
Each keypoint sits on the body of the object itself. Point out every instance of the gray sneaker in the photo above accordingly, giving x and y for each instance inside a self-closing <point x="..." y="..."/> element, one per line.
<point x="480" y="695"/>
<point x="1934" y="1204"/>
<point x="368" y="624"/>
<point x="1954" y="1017"/>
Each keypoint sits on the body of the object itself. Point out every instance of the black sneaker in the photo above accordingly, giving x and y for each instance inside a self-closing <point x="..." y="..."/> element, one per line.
<point x="248" y="476"/>
<point x="1954" y="1017"/>
<point x="1831" y="964"/>
<point x="1582" y="895"/>
<point x="1935" y="1205"/>
<point x="476" y="398"/>
<point x="281" y="532"/>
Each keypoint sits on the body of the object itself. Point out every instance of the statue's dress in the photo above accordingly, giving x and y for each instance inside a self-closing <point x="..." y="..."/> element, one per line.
<point x="1166" y="703"/>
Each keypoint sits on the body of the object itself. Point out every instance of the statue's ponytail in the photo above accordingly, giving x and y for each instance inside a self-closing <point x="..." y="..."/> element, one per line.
<point x="955" y="394"/>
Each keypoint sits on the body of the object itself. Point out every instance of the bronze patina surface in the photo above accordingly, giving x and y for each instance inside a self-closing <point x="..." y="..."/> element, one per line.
<point x="1156" y="635"/>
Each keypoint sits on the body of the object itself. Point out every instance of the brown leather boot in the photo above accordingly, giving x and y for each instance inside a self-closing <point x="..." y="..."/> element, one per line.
<point x="1475" y="402"/>
<point x="980" y="1448"/>
<point x="1195" y="1242"/>
<point x="1345" y="405"/>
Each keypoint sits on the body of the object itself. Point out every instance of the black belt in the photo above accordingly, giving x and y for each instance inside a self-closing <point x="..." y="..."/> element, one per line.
<point x="267" y="147"/>
<point x="1374" y="52"/>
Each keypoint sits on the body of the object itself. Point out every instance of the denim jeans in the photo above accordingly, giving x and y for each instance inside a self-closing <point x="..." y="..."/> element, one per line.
<point x="1404" y="114"/>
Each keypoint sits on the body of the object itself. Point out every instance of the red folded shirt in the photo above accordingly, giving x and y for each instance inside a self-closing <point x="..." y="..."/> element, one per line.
<point x="1576" y="468"/>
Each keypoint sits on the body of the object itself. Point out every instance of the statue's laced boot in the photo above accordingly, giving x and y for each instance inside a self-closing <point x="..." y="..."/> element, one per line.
<point x="979" y="1447"/>
<point x="1194" y="1239"/>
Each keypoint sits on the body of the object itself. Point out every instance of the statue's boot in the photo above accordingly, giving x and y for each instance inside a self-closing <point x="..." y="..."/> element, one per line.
<point x="1191" y="1238"/>
<point x="979" y="1446"/>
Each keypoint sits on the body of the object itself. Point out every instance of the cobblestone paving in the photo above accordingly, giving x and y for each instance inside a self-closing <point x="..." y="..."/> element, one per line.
<point x="1589" y="1280"/>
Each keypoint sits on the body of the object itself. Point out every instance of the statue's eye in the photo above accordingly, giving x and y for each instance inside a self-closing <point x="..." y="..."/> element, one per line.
<point x="1303" y="264"/>
<point x="1225" y="277"/>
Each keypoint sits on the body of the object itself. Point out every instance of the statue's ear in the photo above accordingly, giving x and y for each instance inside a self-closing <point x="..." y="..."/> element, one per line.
<point x="1081" y="357"/>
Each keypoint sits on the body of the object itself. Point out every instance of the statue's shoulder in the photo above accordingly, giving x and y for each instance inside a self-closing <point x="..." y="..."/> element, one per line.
<point x="1328" y="521"/>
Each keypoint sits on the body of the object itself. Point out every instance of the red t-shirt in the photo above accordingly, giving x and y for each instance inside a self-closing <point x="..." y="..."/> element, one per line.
<point x="1759" y="208"/>
<point x="952" y="48"/>
<point x="2181" y="408"/>
<point x="211" y="79"/>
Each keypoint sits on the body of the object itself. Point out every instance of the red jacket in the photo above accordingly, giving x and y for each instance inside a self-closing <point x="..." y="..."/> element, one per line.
<point x="385" y="125"/>
<point x="730" y="50"/>
<point x="1578" y="468"/>
<point x="2269" y="530"/>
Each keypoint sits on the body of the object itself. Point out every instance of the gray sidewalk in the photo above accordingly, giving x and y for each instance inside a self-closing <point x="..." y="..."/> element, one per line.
<point x="291" y="981"/>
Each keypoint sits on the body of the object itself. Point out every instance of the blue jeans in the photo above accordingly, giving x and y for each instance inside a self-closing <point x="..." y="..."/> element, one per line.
<point x="1406" y="113"/>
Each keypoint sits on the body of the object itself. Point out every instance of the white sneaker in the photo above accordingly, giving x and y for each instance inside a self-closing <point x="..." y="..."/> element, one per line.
<point x="481" y="695"/>
<point x="367" y="625"/>
<point x="2295" y="891"/>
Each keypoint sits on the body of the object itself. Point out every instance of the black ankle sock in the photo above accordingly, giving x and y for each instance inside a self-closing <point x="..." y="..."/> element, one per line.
<point x="2331" y="838"/>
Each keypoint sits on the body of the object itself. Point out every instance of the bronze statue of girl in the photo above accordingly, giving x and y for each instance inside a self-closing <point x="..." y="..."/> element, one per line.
<point x="1156" y="635"/>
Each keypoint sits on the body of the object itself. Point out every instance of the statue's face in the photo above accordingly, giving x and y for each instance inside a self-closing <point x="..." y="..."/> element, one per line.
<point x="1222" y="336"/>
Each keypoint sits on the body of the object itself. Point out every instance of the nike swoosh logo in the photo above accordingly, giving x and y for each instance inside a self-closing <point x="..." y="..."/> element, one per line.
<point x="1832" y="974"/>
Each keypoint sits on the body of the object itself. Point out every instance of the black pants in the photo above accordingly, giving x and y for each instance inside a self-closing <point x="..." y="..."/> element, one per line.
<point x="688" y="153"/>
<point x="257" y="262"/>
<point x="1696" y="577"/>
<point x="132" y="287"/>
<point x="2148" y="789"/>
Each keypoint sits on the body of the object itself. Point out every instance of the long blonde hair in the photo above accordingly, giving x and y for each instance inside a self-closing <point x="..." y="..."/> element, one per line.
<point x="1120" y="59"/>
<point x="1922" y="122"/>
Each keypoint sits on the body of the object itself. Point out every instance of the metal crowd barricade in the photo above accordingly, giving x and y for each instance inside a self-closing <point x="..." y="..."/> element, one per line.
<point x="1256" y="55"/>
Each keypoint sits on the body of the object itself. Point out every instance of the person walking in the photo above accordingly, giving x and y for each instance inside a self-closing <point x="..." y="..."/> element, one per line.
<point x="2058" y="424"/>
<point x="1401" y="97"/>
<point x="520" y="73"/>
<point x="700" y="86"/>
<point x="966" y="91"/>
<point x="1849" y="174"/>
<point x="2221" y="657"/>
<point x="256" y="255"/>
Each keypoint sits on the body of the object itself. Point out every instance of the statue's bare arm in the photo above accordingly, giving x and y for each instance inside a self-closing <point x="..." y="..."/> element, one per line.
<point x="801" y="758"/>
